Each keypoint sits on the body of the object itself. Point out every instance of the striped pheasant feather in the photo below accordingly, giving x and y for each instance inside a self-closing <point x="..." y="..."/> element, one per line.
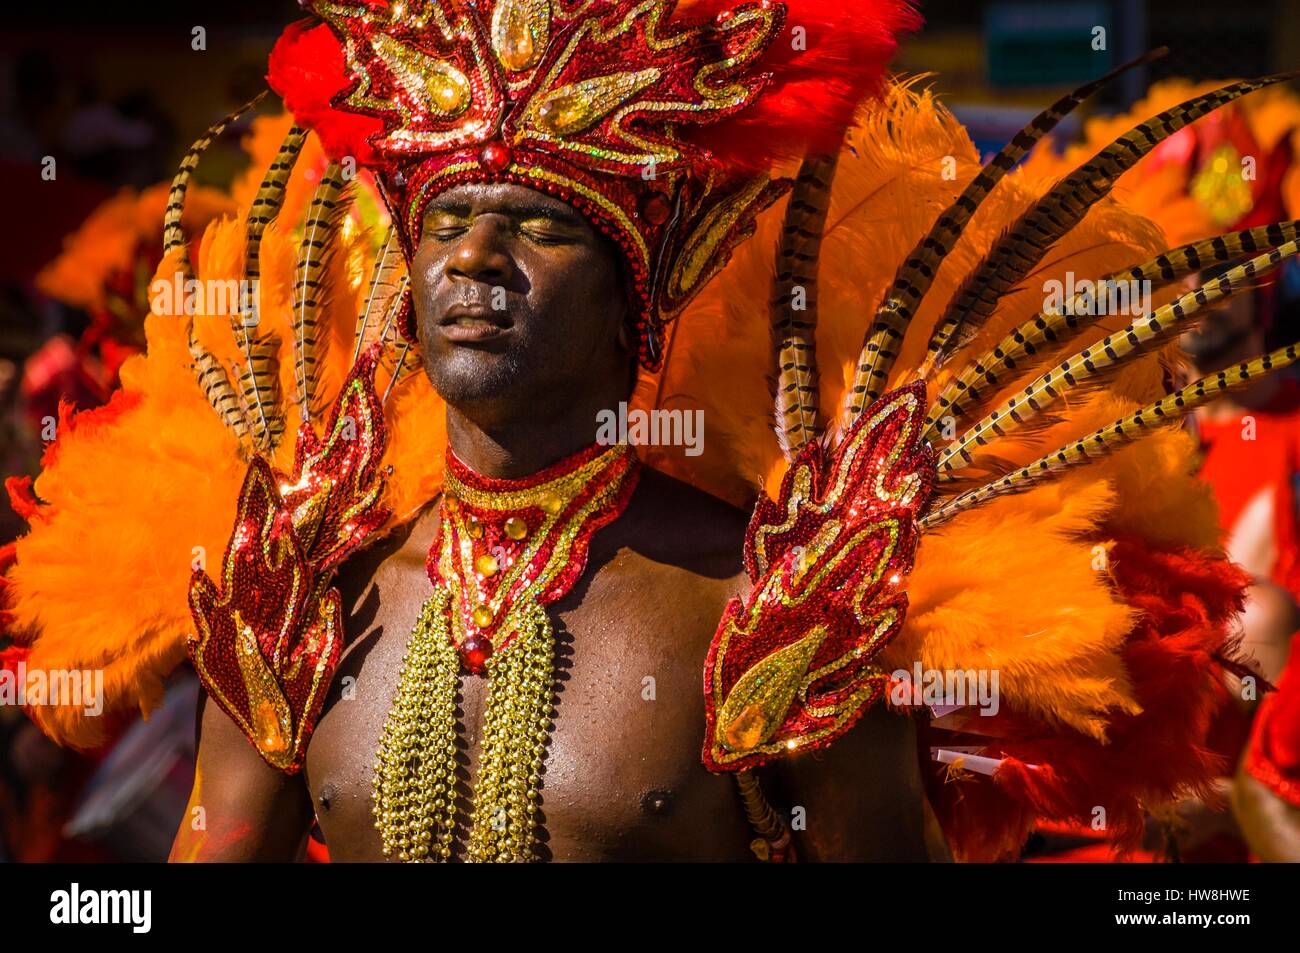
<point x="259" y="388"/>
<point x="173" y="232"/>
<point x="1016" y="253"/>
<point x="385" y="328"/>
<point x="216" y="387"/>
<point x="1049" y="330"/>
<point x="1167" y="409"/>
<point x="885" y="335"/>
<point x="793" y="306"/>
<point x="1138" y="338"/>
<point x="270" y="199"/>
<point x="212" y="378"/>
<point x="329" y="205"/>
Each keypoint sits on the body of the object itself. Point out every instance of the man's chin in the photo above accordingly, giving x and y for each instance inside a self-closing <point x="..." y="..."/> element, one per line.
<point x="461" y="373"/>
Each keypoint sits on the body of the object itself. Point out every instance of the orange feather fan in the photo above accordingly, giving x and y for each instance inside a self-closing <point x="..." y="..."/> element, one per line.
<point x="133" y="496"/>
<point x="1078" y="591"/>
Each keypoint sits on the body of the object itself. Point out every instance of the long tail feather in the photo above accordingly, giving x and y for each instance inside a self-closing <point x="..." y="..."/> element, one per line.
<point x="208" y="372"/>
<point x="1091" y="363"/>
<point x="216" y="387"/>
<point x="1049" y="330"/>
<point x="258" y="386"/>
<point x="386" y="330"/>
<point x="794" y="304"/>
<point x="329" y="205"/>
<point x="880" y="347"/>
<point x="173" y="233"/>
<point x="1024" y="245"/>
<point x="270" y="198"/>
<point x="1167" y="409"/>
<point x="260" y="389"/>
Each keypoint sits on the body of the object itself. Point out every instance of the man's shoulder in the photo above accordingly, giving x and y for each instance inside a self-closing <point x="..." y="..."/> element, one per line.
<point x="671" y="518"/>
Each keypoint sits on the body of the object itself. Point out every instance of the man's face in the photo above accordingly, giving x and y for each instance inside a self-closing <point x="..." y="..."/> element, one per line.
<point x="517" y="298"/>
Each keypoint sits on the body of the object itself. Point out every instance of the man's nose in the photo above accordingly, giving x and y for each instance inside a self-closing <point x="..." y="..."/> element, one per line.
<point x="482" y="255"/>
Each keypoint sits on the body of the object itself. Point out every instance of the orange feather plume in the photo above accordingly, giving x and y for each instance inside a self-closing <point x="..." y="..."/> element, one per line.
<point x="1047" y="586"/>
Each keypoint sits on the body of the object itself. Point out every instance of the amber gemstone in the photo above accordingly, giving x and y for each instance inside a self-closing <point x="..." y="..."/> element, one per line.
<point x="448" y="94"/>
<point x="516" y="528"/>
<point x="518" y="52"/>
<point x="270" y="739"/>
<point x="474" y="653"/>
<point x="746" y="730"/>
<point x="562" y="114"/>
<point x="495" y="157"/>
<point x="550" y="503"/>
<point x="482" y="616"/>
<point x="474" y="528"/>
<point x="520" y="30"/>
<point x="485" y="565"/>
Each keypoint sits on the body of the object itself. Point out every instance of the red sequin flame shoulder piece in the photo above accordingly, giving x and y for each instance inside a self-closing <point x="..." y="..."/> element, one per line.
<point x="790" y="667"/>
<point x="270" y="637"/>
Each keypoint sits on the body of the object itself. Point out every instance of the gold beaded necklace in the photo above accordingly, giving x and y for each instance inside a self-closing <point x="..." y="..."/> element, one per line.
<point x="505" y="550"/>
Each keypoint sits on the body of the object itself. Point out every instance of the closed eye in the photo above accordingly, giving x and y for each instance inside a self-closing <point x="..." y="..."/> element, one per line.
<point x="444" y="234"/>
<point x="547" y="232"/>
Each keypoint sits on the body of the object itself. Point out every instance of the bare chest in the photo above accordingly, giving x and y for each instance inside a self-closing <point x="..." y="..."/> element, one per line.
<point x="622" y="776"/>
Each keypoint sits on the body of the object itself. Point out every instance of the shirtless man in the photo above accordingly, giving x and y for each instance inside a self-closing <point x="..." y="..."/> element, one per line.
<point x="623" y="779"/>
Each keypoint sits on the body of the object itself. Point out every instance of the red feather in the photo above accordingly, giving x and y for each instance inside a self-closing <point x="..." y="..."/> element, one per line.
<point x="307" y="68"/>
<point x="815" y="90"/>
<point x="1188" y="602"/>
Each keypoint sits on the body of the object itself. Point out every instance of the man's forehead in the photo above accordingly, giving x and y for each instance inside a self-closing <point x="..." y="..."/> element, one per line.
<point x="509" y="197"/>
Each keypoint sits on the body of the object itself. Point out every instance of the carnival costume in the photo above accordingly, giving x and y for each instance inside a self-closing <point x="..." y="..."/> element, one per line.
<point x="906" y="510"/>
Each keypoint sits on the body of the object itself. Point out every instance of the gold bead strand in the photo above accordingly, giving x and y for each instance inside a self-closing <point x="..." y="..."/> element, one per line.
<point x="415" y="766"/>
<point x="517" y="727"/>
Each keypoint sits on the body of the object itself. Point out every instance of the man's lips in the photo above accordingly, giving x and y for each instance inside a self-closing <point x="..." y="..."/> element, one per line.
<point x="473" y="323"/>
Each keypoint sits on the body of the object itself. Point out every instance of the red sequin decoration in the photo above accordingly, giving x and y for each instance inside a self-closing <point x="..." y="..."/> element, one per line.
<point x="271" y="636"/>
<point x="361" y="79"/>
<point x="790" y="667"/>
<point x="533" y="532"/>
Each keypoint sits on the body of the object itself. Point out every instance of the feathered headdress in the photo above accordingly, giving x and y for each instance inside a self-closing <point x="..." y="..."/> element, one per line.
<point x="660" y="122"/>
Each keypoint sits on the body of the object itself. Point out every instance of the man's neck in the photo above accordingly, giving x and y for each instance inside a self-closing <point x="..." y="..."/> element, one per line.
<point x="522" y="445"/>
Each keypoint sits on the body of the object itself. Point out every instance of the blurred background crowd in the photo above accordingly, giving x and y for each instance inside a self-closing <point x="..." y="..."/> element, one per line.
<point x="98" y="104"/>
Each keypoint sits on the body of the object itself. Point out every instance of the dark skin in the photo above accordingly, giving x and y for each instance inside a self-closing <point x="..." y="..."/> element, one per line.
<point x="524" y="370"/>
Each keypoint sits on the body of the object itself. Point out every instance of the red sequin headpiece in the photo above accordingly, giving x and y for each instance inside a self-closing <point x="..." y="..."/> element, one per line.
<point x="659" y="122"/>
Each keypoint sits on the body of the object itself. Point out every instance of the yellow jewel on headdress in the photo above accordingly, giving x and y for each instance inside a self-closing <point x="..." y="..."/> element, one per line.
<point x="520" y="30"/>
<point x="573" y="108"/>
<point x="437" y="86"/>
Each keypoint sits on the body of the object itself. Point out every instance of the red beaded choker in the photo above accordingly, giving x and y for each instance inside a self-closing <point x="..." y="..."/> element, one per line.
<point x="500" y="541"/>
